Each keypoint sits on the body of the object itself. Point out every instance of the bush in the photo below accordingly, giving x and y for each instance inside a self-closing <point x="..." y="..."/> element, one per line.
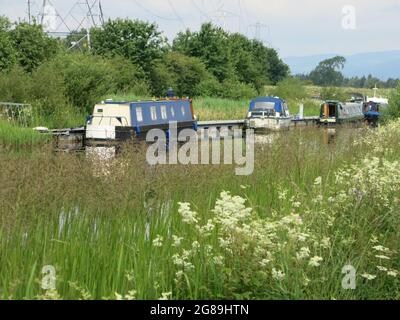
<point x="210" y="87"/>
<point x="290" y="89"/>
<point x="184" y="74"/>
<point x="333" y="93"/>
<point x="393" y="111"/>
<point x="233" y="89"/>
<point x="15" y="85"/>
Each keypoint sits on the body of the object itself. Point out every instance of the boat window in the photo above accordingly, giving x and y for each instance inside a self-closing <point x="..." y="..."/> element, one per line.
<point x="164" y="115"/>
<point x="264" y="105"/>
<point x="153" y="112"/>
<point x="139" y="114"/>
<point x="172" y="112"/>
<point x="99" y="110"/>
<point x="183" y="110"/>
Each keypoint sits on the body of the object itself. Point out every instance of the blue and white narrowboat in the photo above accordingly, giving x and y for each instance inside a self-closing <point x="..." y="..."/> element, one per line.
<point x="121" y="121"/>
<point x="335" y="112"/>
<point x="268" y="113"/>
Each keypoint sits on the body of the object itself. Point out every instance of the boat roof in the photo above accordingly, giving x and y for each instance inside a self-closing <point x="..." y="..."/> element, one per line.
<point x="268" y="99"/>
<point x="111" y="102"/>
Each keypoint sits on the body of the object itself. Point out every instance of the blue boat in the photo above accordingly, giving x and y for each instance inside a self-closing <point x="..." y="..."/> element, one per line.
<point x="268" y="113"/>
<point x="118" y="121"/>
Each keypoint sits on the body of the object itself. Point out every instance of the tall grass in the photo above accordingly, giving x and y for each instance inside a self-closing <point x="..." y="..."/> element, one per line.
<point x="124" y="233"/>
<point x="16" y="136"/>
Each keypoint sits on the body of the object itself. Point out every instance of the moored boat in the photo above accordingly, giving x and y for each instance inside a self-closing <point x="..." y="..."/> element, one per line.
<point x="335" y="112"/>
<point x="121" y="121"/>
<point x="268" y="113"/>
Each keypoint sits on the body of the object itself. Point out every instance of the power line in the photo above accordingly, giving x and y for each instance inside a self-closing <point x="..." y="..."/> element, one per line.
<point x="201" y="10"/>
<point x="152" y="13"/>
<point x="176" y="13"/>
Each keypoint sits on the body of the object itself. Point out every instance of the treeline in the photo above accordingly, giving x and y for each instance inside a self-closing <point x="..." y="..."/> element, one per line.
<point x="329" y="73"/>
<point x="129" y="56"/>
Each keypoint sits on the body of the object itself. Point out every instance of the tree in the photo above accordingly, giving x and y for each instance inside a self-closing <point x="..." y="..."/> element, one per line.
<point x="138" y="41"/>
<point x="232" y="57"/>
<point x="278" y="70"/>
<point x="246" y="63"/>
<point x="210" y="45"/>
<point x="328" y="72"/>
<point x="182" y="73"/>
<point x="7" y="51"/>
<point x="33" y="46"/>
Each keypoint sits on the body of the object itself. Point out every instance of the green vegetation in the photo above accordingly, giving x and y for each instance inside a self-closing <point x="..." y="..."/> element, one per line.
<point x="393" y="111"/>
<point x="12" y="136"/>
<point x="328" y="72"/>
<point x="117" y="229"/>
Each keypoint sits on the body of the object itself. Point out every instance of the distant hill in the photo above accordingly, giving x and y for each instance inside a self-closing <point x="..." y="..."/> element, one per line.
<point x="382" y="65"/>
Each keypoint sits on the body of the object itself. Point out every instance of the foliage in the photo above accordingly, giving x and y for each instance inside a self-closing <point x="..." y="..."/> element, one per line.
<point x="180" y="72"/>
<point x="12" y="136"/>
<point x="232" y="57"/>
<point x="328" y="72"/>
<point x="7" y="50"/>
<point x="138" y="41"/>
<point x="210" y="45"/>
<point x="290" y="89"/>
<point x="393" y="111"/>
<point x="333" y="93"/>
<point x="33" y="45"/>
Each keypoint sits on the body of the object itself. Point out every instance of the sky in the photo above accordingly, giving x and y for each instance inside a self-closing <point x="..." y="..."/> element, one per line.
<point x="293" y="27"/>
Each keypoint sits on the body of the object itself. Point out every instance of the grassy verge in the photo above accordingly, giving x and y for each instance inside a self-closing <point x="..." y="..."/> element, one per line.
<point x="123" y="229"/>
<point x="15" y="136"/>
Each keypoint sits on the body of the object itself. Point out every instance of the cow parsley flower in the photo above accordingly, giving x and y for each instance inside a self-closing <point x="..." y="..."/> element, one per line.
<point x="381" y="248"/>
<point x="158" y="241"/>
<point x="165" y="296"/>
<point x="277" y="274"/>
<point x="315" y="261"/>
<point x="304" y="253"/>
<point x="380" y="268"/>
<point x="393" y="273"/>
<point x="368" y="276"/>
<point x="382" y="257"/>
<point x="176" y="241"/>
<point x="188" y="216"/>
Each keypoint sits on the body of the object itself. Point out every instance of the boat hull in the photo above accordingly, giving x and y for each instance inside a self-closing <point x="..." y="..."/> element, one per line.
<point x="269" y="123"/>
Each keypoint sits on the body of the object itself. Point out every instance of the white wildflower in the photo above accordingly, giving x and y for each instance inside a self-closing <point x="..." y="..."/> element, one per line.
<point x="304" y="253"/>
<point x="176" y="241"/>
<point x="393" y="273"/>
<point x="368" y="276"/>
<point x="218" y="260"/>
<point x="188" y="216"/>
<point x="158" y="241"/>
<point x="195" y="245"/>
<point x="326" y="243"/>
<point x="381" y="248"/>
<point x="165" y="296"/>
<point x="277" y="274"/>
<point x="131" y="295"/>
<point x="382" y="257"/>
<point x="315" y="261"/>
<point x="264" y="262"/>
<point x="381" y="268"/>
